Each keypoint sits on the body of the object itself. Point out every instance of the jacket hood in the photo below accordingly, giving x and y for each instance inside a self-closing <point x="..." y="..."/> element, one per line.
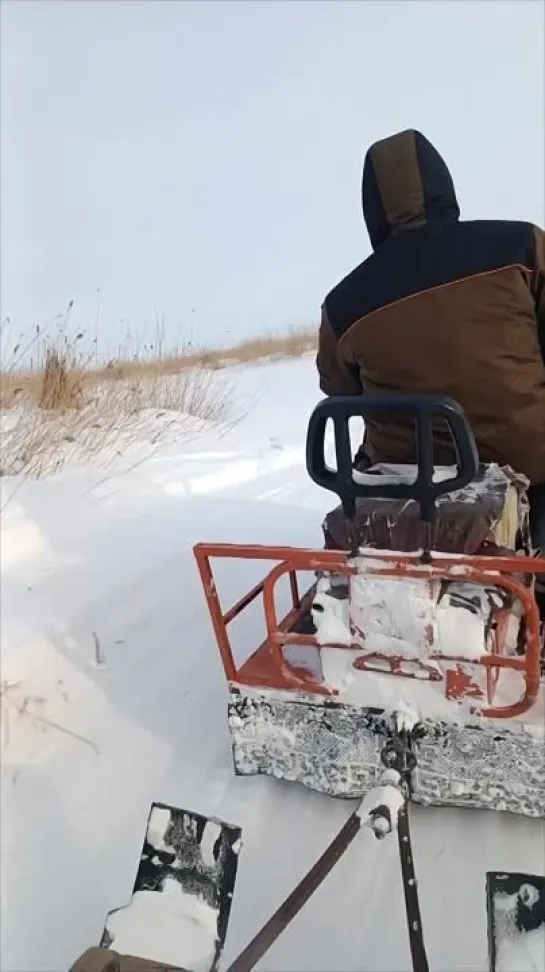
<point x="406" y="183"/>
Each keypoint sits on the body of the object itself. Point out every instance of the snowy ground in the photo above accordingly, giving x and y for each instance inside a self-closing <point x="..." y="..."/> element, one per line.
<point x="113" y="696"/>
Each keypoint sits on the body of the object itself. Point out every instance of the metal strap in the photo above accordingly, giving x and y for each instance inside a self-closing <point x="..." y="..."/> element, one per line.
<point x="397" y="754"/>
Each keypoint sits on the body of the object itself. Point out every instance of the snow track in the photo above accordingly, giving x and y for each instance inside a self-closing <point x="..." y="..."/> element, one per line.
<point x="114" y="697"/>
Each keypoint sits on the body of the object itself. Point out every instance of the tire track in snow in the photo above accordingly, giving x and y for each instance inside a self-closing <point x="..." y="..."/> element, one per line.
<point x="243" y="473"/>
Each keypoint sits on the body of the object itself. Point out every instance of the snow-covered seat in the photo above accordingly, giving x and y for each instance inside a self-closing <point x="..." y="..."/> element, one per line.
<point x="493" y="509"/>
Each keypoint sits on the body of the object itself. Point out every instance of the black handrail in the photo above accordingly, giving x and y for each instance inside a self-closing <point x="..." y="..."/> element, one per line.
<point x="424" y="409"/>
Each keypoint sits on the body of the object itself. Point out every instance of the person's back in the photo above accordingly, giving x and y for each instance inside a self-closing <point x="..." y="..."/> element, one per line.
<point x="443" y="306"/>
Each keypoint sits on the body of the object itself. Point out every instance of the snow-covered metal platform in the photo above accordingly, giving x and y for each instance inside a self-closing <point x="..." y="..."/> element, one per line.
<point x="314" y="713"/>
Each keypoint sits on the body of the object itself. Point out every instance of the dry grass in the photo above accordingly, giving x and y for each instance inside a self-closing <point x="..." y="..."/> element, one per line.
<point x="106" y="419"/>
<point x="60" y="385"/>
<point x="63" y="408"/>
<point x="17" y="704"/>
<point x="59" y="376"/>
<point x="291" y="345"/>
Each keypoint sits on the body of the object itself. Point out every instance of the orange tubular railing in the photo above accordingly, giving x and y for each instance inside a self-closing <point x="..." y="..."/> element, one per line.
<point x="496" y="571"/>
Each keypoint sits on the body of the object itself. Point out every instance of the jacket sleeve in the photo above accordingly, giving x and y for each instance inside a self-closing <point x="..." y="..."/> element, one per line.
<point x="337" y="377"/>
<point x="539" y="287"/>
<point x="106" y="960"/>
<point x="97" y="960"/>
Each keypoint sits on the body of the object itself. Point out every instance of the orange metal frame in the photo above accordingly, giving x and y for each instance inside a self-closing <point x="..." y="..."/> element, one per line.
<point x="267" y="668"/>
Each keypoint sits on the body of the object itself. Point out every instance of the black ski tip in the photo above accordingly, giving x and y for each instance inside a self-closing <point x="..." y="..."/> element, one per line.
<point x="516" y="908"/>
<point x="190" y="862"/>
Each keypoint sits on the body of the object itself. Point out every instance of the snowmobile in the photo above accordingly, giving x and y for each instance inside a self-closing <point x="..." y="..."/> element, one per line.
<point x="408" y="671"/>
<point x="451" y="637"/>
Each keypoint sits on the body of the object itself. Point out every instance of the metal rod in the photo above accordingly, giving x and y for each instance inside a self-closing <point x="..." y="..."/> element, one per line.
<point x="248" y="959"/>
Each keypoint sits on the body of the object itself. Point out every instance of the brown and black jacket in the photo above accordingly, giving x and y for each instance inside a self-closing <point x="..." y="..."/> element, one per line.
<point x="441" y="306"/>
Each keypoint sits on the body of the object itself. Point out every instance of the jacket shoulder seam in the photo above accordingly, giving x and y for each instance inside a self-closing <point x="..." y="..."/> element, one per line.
<point x="429" y="290"/>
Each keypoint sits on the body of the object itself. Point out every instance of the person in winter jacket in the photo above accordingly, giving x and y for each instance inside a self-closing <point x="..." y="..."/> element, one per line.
<point x="442" y="306"/>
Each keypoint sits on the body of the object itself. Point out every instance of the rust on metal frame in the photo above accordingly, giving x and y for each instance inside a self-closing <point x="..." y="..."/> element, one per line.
<point x="267" y="667"/>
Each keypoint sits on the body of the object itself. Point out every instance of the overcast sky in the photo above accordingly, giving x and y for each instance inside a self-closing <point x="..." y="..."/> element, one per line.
<point x="202" y="161"/>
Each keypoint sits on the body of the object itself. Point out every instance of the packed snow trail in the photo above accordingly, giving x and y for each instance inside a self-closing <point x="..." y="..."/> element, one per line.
<point x="115" y="697"/>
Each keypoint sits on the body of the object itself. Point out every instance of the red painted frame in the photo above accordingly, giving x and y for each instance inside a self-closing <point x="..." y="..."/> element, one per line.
<point x="266" y="668"/>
